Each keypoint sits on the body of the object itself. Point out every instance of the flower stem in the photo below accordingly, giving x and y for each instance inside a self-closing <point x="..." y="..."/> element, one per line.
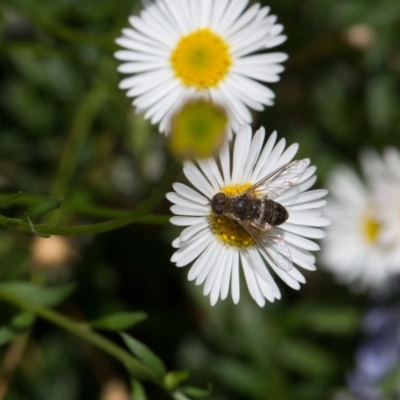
<point x="83" y="331"/>
<point x="101" y="227"/>
<point x="80" y="129"/>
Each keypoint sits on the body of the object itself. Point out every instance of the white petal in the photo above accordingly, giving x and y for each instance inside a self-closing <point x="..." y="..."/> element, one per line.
<point x="188" y="193"/>
<point x="190" y="231"/>
<point x="201" y="241"/>
<point x="185" y="221"/>
<point x="226" y="279"/>
<point x="251" y="280"/>
<point x="300" y="242"/>
<point x="213" y="250"/>
<point x="203" y="264"/>
<point x="235" y="286"/>
<point x="242" y="144"/>
<point x="305" y="231"/>
<point x="198" y="180"/>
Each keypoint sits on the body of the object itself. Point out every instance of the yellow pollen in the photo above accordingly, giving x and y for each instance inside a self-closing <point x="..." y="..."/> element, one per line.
<point x="371" y="229"/>
<point x="201" y="59"/>
<point x="226" y="229"/>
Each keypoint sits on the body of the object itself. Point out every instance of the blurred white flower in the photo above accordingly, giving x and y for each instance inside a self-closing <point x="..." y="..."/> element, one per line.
<point x="383" y="175"/>
<point x="362" y="246"/>
<point x="219" y="244"/>
<point x="177" y="50"/>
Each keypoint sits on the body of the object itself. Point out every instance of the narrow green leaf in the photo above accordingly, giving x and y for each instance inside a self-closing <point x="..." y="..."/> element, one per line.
<point x="38" y="209"/>
<point x="196" y="392"/>
<point x="334" y="321"/>
<point x="42" y="295"/>
<point x="178" y="395"/>
<point x="138" y="392"/>
<point x="6" y="335"/>
<point x="8" y="198"/>
<point x="308" y="358"/>
<point x="118" y="321"/>
<point x="144" y="353"/>
<point x="174" y="378"/>
<point x="19" y="324"/>
<point x="23" y="320"/>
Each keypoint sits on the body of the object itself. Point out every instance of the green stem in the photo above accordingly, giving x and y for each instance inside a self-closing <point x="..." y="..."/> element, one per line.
<point x="26" y="199"/>
<point x="64" y="32"/>
<point x="120" y="218"/>
<point x="101" y="227"/>
<point x="83" y="331"/>
<point x="78" y="134"/>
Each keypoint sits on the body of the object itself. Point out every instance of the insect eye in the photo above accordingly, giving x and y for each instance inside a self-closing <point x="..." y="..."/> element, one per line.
<point x="218" y="203"/>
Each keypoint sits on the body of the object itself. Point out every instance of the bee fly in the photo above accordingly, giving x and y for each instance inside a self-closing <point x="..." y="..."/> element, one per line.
<point x="257" y="212"/>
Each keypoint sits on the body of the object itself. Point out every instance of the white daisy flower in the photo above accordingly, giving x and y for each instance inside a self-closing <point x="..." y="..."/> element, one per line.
<point x="230" y="224"/>
<point x="359" y="249"/>
<point x="177" y="50"/>
<point x="383" y="175"/>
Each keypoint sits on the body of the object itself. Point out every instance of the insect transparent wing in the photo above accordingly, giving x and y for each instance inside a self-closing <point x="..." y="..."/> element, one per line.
<point x="271" y="243"/>
<point x="279" y="181"/>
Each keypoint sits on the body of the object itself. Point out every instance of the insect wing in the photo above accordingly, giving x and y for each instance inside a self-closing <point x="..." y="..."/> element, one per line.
<point x="271" y="243"/>
<point x="279" y="181"/>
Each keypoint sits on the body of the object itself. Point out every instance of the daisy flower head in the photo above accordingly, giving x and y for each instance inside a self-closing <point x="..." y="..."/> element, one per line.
<point x="178" y="50"/>
<point x="360" y="247"/>
<point x="383" y="175"/>
<point x="252" y="211"/>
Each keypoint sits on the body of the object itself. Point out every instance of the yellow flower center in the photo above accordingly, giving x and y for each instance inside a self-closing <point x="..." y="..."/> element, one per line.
<point x="201" y="59"/>
<point x="371" y="229"/>
<point x="228" y="230"/>
<point x="198" y="130"/>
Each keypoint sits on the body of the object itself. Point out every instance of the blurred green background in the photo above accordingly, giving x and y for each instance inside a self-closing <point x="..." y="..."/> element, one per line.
<point x="61" y="110"/>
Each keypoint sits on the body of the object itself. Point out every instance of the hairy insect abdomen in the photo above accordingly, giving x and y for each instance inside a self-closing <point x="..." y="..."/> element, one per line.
<point x="274" y="213"/>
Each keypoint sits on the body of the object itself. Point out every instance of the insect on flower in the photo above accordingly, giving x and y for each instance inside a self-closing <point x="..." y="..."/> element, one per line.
<point x="257" y="213"/>
<point x="249" y="208"/>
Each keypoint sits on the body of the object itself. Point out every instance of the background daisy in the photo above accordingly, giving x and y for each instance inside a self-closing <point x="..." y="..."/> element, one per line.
<point x="383" y="176"/>
<point x="177" y="50"/>
<point x="360" y="247"/>
<point x="217" y="247"/>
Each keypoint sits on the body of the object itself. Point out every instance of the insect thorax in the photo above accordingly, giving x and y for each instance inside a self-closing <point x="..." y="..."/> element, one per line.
<point x="245" y="207"/>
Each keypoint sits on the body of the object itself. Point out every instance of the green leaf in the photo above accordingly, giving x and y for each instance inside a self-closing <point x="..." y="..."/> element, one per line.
<point x="196" y="392"/>
<point x="307" y="358"/>
<point x="178" y="395"/>
<point x="8" y="198"/>
<point x="118" y="321"/>
<point x="323" y="318"/>
<point x="390" y="383"/>
<point x="42" y="295"/>
<point x="39" y="209"/>
<point x="138" y="392"/>
<point x="174" y="378"/>
<point x="335" y="321"/>
<point x="7" y="335"/>
<point x="144" y="353"/>
<point x="19" y="324"/>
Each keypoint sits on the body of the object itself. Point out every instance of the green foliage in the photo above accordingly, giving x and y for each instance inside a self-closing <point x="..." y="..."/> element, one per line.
<point x="174" y="378"/>
<point x="196" y="393"/>
<point x="18" y="324"/>
<point x="67" y="131"/>
<point x="138" y="392"/>
<point x="144" y="353"/>
<point x="118" y="321"/>
<point x="39" y="209"/>
<point x="30" y="292"/>
<point x="7" y="199"/>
